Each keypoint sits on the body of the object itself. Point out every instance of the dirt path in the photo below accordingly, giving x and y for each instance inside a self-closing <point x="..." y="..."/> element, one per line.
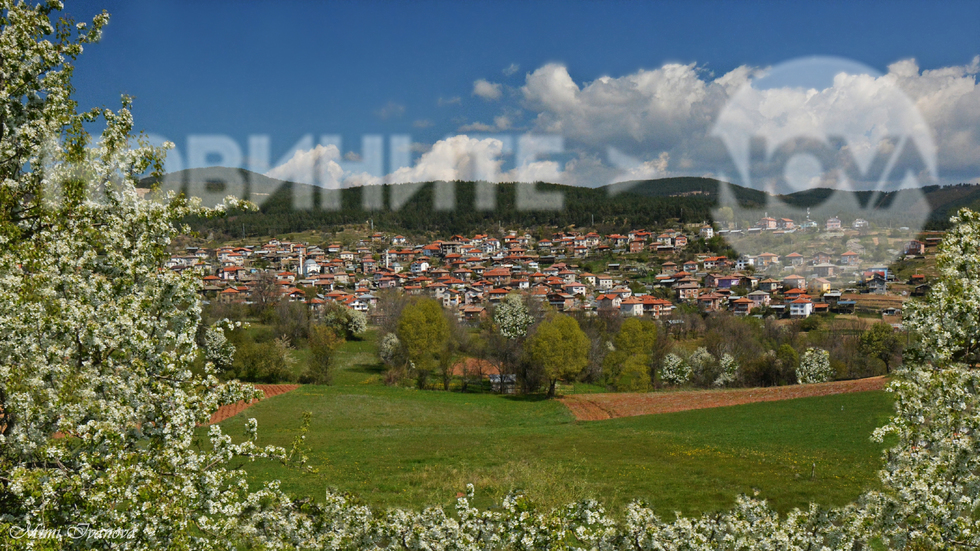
<point x="231" y="410"/>
<point x="596" y="407"/>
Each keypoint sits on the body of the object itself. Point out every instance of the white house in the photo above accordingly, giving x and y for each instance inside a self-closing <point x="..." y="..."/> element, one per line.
<point x="604" y="281"/>
<point x="800" y="308"/>
<point x="631" y="306"/>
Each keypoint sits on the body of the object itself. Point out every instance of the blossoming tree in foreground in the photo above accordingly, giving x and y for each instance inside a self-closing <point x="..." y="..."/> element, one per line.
<point x="100" y="403"/>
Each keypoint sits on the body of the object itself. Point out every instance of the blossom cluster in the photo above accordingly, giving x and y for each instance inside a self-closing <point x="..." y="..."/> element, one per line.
<point x="675" y="370"/>
<point x="512" y="317"/>
<point x="729" y="370"/>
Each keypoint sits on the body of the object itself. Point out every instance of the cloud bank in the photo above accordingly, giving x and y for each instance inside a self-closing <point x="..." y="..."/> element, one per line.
<point x="657" y="123"/>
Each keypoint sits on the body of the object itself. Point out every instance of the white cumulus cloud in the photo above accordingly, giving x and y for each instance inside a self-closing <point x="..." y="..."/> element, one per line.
<point x="668" y="113"/>
<point x="487" y="90"/>
<point x="317" y="166"/>
<point x="458" y="157"/>
<point x="656" y="123"/>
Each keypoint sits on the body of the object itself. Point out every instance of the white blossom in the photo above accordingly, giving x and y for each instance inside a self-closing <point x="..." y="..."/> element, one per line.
<point x="674" y="370"/>
<point x="729" y="370"/>
<point x="814" y="367"/>
<point x="512" y="317"/>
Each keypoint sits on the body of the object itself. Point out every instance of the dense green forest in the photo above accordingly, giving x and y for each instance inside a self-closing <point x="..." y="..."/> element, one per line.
<point x="617" y="207"/>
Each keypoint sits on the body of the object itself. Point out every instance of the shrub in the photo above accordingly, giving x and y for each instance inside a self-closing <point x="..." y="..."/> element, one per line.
<point x="728" y="372"/>
<point x="389" y="349"/>
<point x="703" y="367"/>
<point x="267" y="362"/>
<point x="768" y="370"/>
<point x="323" y="342"/>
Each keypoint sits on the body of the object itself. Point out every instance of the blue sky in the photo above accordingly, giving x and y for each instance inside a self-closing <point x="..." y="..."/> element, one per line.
<point x="287" y="69"/>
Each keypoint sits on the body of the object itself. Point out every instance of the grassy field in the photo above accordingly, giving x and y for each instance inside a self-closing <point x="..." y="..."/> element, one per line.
<point x="409" y="448"/>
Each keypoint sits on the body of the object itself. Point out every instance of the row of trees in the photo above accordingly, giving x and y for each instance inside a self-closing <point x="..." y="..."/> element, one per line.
<point x="420" y="339"/>
<point x="539" y="347"/>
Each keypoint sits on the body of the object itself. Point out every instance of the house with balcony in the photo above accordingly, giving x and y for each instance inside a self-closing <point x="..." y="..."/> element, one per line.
<point x="741" y="306"/>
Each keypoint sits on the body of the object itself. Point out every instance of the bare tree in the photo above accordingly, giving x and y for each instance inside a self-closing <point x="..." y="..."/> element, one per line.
<point x="265" y="290"/>
<point x="391" y="302"/>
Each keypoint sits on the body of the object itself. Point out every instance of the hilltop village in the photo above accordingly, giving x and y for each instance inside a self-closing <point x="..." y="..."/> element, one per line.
<point x="640" y="273"/>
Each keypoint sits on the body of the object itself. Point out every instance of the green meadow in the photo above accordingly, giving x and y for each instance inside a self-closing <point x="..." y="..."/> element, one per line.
<point x="398" y="447"/>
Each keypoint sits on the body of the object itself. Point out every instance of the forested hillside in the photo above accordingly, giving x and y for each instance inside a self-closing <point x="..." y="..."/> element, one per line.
<point x="611" y="212"/>
<point x="616" y="207"/>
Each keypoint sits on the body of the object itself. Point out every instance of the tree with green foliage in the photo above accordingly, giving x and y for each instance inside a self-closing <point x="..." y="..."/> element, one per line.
<point x="262" y="362"/>
<point x="810" y="323"/>
<point x="882" y="342"/>
<point x="424" y="333"/>
<point x="636" y="336"/>
<point x="634" y="374"/>
<point x="323" y="342"/>
<point x="559" y="348"/>
<point x="788" y="355"/>
<point x="632" y="347"/>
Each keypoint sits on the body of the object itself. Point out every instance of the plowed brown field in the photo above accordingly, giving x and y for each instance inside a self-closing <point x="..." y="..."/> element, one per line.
<point x="596" y="407"/>
<point x="231" y="410"/>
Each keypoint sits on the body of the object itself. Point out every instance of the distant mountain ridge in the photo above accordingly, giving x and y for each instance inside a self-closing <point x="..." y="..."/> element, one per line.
<point x="614" y="207"/>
